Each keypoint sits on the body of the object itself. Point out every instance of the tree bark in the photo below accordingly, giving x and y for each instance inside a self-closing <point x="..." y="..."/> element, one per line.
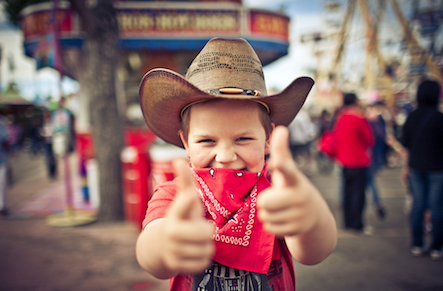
<point x="100" y="47"/>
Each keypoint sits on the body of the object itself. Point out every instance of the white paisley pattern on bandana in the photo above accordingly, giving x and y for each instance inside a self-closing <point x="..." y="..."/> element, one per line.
<point x="235" y="224"/>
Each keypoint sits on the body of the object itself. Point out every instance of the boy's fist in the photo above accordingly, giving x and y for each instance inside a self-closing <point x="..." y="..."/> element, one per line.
<point x="187" y="246"/>
<point x="286" y="208"/>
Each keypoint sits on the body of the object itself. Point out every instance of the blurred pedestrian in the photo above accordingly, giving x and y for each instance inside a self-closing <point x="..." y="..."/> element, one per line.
<point x="302" y="132"/>
<point x="378" y="154"/>
<point x="63" y="127"/>
<point x="353" y="137"/>
<point x="4" y="148"/>
<point x="324" y="122"/>
<point x="47" y="132"/>
<point x="14" y="136"/>
<point x="34" y="134"/>
<point x="423" y="138"/>
<point x="324" y="162"/>
<point x="14" y="133"/>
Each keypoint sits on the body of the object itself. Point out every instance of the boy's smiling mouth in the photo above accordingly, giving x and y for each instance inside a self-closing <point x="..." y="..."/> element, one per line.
<point x="234" y="169"/>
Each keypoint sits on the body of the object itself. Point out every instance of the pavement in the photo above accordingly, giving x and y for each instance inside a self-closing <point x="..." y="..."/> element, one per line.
<point x="98" y="256"/>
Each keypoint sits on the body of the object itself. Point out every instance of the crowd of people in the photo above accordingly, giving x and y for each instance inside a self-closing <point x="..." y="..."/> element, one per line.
<point x="369" y="137"/>
<point x="50" y="133"/>
<point x="365" y="135"/>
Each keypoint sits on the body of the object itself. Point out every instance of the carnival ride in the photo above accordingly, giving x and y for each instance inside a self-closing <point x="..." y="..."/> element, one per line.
<point x="376" y="50"/>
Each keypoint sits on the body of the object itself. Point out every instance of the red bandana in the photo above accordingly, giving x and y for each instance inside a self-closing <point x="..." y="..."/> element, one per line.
<point x="230" y="198"/>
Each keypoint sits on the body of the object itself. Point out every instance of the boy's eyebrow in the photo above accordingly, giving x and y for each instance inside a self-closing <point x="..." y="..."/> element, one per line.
<point x="246" y="132"/>
<point x="209" y="135"/>
<point x="202" y="135"/>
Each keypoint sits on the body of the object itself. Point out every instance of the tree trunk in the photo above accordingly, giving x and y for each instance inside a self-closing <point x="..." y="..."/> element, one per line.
<point x="107" y="130"/>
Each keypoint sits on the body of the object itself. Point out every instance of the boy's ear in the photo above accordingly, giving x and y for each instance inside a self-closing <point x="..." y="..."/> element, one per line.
<point x="185" y="143"/>
<point x="268" y="141"/>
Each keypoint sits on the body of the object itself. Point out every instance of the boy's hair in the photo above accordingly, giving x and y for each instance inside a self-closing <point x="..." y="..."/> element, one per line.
<point x="263" y="115"/>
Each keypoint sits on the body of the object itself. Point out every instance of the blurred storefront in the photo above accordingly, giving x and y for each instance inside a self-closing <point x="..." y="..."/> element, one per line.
<point x="19" y="112"/>
<point x="165" y="34"/>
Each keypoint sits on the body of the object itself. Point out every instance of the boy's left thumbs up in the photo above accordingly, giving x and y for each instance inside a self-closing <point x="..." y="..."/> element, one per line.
<point x="284" y="207"/>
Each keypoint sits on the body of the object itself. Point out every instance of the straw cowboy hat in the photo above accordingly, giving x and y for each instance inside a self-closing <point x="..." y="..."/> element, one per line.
<point x="225" y="68"/>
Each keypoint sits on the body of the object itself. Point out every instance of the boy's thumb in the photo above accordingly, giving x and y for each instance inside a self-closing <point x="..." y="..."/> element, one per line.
<point x="280" y="144"/>
<point x="187" y="203"/>
<point x="281" y="159"/>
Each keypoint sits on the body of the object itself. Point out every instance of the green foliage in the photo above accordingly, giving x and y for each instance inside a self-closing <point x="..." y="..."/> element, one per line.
<point x="13" y="8"/>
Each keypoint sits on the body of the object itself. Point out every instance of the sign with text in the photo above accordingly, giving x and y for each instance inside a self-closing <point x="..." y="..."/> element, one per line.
<point x="39" y="23"/>
<point x="161" y="26"/>
<point x="166" y="22"/>
<point x="269" y="24"/>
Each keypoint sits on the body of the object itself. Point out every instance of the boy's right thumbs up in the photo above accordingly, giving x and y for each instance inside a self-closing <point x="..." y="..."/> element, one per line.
<point x="187" y="235"/>
<point x="188" y="204"/>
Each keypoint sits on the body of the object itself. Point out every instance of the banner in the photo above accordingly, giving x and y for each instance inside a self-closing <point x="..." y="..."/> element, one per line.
<point x="166" y="22"/>
<point x="159" y="26"/>
<point x="269" y="24"/>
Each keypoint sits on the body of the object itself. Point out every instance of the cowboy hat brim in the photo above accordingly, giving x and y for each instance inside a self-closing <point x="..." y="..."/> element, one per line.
<point x="164" y="93"/>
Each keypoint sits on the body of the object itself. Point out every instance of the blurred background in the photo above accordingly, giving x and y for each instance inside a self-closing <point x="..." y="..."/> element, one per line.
<point x="94" y="54"/>
<point x="85" y="59"/>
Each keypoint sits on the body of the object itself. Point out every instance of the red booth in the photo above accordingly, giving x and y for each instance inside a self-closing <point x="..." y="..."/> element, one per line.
<point x="136" y="169"/>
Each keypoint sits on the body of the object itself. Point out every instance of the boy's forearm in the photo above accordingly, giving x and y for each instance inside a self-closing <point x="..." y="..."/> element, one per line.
<point x="317" y="244"/>
<point x="149" y="251"/>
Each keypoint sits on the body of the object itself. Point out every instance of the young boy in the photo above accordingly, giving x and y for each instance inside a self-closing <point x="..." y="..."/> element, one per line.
<point x="221" y="225"/>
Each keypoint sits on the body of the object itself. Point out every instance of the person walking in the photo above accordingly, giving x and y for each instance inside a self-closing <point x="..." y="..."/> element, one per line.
<point x="63" y="132"/>
<point x="423" y="138"/>
<point x="302" y="132"/>
<point x="47" y="132"/>
<point x="353" y="139"/>
<point x="4" y="148"/>
<point x="36" y="139"/>
<point x="378" y="154"/>
<point x="324" y="163"/>
<point x="14" y="133"/>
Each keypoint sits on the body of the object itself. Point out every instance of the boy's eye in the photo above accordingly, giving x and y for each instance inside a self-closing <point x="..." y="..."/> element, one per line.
<point x="207" y="140"/>
<point x="244" y="138"/>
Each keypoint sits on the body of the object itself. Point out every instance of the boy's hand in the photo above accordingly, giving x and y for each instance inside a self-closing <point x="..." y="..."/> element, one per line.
<point x="187" y="245"/>
<point x="288" y="207"/>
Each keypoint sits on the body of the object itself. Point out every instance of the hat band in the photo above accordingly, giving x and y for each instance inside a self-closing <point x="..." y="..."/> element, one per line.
<point x="234" y="90"/>
<point x="238" y="91"/>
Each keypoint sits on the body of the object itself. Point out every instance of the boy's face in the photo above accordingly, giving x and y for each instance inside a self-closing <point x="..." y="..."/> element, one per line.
<point x="226" y="134"/>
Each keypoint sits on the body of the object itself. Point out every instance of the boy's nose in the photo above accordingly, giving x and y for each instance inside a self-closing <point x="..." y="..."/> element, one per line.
<point x="225" y="155"/>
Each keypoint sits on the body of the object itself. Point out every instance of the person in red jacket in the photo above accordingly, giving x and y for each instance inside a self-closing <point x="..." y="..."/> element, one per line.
<point x="354" y="139"/>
